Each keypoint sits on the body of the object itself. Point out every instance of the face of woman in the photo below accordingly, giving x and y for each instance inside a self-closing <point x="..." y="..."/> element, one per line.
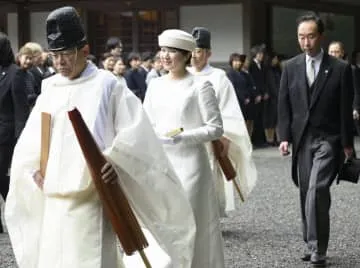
<point x="109" y="64"/>
<point x="246" y="64"/>
<point x="173" y="60"/>
<point x="119" y="67"/>
<point x="25" y="61"/>
<point x="275" y="61"/>
<point x="236" y="64"/>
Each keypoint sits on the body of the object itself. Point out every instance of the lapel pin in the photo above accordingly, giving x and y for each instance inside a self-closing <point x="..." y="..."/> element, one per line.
<point x="326" y="71"/>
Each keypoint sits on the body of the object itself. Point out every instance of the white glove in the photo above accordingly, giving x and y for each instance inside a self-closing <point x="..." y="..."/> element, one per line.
<point x="170" y="140"/>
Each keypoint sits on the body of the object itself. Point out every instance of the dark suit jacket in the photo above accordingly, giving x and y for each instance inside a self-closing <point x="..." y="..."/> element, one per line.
<point x="327" y="113"/>
<point x="356" y="82"/>
<point x="238" y="81"/>
<point x="259" y="77"/>
<point x="14" y="107"/>
<point x="38" y="77"/>
<point x="273" y="75"/>
<point x="135" y="81"/>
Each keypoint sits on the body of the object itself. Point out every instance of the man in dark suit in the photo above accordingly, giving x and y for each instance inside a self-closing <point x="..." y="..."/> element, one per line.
<point x="14" y="110"/>
<point x="315" y="115"/>
<point x="258" y="74"/>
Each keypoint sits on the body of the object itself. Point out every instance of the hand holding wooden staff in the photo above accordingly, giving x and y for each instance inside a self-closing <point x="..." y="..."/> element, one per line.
<point x="226" y="165"/>
<point x="112" y="196"/>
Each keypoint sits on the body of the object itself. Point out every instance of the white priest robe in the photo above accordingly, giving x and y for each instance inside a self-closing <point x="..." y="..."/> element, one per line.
<point x="190" y="103"/>
<point x="63" y="226"/>
<point x="240" y="149"/>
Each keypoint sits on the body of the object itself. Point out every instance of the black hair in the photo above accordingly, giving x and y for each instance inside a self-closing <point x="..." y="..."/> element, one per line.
<point x="6" y="54"/>
<point x="106" y="55"/>
<point x="145" y="56"/>
<point x="257" y="49"/>
<point x="133" y="56"/>
<point x="112" y="43"/>
<point x="312" y="16"/>
<point x="243" y="57"/>
<point x="233" y="57"/>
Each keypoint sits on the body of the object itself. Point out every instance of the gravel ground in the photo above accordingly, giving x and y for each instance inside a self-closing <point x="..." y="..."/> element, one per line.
<point x="265" y="231"/>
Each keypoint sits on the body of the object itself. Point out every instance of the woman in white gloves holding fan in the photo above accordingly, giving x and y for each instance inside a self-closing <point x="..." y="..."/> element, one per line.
<point x="177" y="101"/>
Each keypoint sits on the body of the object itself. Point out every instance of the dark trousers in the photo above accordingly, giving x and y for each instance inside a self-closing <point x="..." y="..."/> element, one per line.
<point x="6" y="152"/>
<point x="258" y="135"/>
<point x="318" y="165"/>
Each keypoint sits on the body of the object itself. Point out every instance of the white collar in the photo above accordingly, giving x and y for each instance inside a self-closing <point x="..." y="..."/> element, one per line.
<point x="257" y="62"/>
<point x="89" y="71"/>
<point x="206" y="70"/>
<point x="317" y="58"/>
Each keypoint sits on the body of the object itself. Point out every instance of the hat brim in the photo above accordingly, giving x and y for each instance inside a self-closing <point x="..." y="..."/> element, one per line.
<point x="179" y="43"/>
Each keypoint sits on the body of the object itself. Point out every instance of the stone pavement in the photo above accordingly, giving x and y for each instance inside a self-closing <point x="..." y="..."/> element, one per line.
<point x="265" y="231"/>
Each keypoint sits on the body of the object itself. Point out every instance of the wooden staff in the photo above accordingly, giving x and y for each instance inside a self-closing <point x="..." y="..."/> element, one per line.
<point x="45" y="142"/>
<point x="112" y="196"/>
<point x="226" y="166"/>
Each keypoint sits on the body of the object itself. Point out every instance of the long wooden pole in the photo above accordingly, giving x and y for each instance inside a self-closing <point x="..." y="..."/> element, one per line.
<point x="145" y="259"/>
<point x="45" y="141"/>
<point x="238" y="189"/>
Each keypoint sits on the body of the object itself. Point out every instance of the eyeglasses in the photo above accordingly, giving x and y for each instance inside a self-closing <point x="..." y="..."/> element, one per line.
<point x="65" y="54"/>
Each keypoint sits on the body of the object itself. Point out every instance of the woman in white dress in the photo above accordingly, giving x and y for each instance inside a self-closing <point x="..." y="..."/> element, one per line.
<point x="181" y="100"/>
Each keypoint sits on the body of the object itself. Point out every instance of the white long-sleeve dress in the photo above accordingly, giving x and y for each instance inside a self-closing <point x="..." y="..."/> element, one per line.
<point x="191" y="103"/>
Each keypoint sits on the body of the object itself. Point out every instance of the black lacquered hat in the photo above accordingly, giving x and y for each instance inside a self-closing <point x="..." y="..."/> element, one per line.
<point x="64" y="29"/>
<point x="202" y="37"/>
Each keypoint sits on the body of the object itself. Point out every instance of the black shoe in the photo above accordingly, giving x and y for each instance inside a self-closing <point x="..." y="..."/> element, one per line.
<point x="318" y="260"/>
<point x="306" y="257"/>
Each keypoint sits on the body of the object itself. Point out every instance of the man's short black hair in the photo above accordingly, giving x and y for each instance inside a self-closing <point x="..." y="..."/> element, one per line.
<point x="257" y="49"/>
<point x="145" y="56"/>
<point x="312" y="16"/>
<point x="112" y="43"/>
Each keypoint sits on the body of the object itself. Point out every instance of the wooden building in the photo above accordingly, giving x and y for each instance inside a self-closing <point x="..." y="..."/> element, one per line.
<point x="236" y="25"/>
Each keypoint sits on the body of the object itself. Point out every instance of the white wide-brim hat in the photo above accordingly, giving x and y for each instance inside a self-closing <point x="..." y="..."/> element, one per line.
<point x="177" y="39"/>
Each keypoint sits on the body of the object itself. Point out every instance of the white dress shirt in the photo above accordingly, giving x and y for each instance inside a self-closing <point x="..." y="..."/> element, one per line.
<point x="317" y="60"/>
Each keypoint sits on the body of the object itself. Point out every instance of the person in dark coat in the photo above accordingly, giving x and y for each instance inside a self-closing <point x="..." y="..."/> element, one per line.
<point x="135" y="79"/>
<point x="146" y="63"/>
<point x="243" y="87"/>
<point x="14" y="110"/>
<point x="24" y="61"/>
<point x="37" y="70"/>
<point x="255" y="95"/>
<point x="356" y="81"/>
<point x="315" y="116"/>
<point x="258" y="73"/>
<point x="236" y="79"/>
<point x="273" y="75"/>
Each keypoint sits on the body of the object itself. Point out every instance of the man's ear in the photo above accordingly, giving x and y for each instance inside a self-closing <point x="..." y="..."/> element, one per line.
<point x="209" y="53"/>
<point x="86" y="50"/>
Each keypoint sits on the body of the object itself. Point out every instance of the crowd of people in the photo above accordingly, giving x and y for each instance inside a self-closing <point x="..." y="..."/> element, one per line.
<point x="155" y="117"/>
